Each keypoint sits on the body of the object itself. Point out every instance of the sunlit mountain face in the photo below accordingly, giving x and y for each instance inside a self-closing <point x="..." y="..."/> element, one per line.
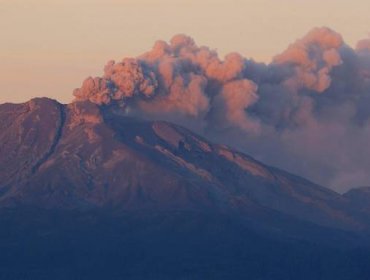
<point x="162" y="169"/>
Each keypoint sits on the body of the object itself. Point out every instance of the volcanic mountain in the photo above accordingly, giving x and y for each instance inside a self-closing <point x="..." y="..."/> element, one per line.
<point x="86" y="190"/>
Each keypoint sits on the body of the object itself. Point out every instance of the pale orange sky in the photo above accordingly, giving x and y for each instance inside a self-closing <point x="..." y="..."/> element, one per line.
<point x="48" y="47"/>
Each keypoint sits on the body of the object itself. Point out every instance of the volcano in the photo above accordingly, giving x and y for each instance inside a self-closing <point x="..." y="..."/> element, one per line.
<point x="87" y="192"/>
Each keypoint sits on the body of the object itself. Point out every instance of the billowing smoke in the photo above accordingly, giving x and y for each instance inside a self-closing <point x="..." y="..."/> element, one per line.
<point x="307" y="112"/>
<point x="121" y="81"/>
<point x="177" y="80"/>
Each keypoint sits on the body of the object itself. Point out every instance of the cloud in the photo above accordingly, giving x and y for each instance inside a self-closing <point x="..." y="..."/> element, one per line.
<point x="307" y="111"/>
<point x="312" y="59"/>
<point x="363" y="45"/>
<point x="121" y="80"/>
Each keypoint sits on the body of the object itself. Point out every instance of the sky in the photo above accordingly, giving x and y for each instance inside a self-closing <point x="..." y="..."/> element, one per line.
<point x="49" y="47"/>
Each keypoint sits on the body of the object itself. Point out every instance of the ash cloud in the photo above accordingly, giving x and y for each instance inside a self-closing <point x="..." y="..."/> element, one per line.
<point x="308" y="111"/>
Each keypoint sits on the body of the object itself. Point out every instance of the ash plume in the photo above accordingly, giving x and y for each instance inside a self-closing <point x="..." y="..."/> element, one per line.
<point x="308" y="111"/>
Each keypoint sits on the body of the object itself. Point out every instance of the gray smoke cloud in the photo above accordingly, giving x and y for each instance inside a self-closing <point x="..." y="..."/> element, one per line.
<point x="307" y="111"/>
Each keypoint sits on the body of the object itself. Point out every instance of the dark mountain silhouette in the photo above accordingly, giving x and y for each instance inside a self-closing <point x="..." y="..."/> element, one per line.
<point x="87" y="192"/>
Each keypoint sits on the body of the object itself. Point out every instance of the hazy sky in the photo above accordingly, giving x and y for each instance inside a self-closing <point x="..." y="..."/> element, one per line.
<point x="48" y="47"/>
